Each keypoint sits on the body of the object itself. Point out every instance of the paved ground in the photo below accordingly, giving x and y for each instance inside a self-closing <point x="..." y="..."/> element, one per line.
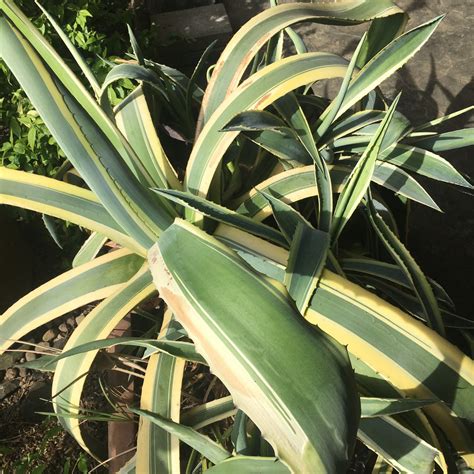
<point x="439" y="79"/>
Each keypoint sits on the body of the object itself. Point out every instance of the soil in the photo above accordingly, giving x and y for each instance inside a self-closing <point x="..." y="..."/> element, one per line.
<point x="28" y="444"/>
<point x="31" y="440"/>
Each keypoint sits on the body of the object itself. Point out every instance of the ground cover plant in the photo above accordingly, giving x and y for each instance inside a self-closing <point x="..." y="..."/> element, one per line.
<point x="258" y="212"/>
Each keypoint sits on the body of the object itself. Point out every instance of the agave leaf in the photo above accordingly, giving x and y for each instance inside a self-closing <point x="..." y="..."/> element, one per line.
<point x="422" y="370"/>
<point x="328" y="116"/>
<point x="390" y="272"/>
<point x="88" y="74"/>
<point x="184" y="350"/>
<point x="282" y="143"/>
<point x="271" y="134"/>
<point x="299" y="183"/>
<point x="308" y="253"/>
<point x="134" y="120"/>
<point x="89" y="250"/>
<point x="387" y="61"/>
<point x="137" y="51"/>
<point x="444" y="118"/>
<point x="424" y="162"/>
<point x="222" y="214"/>
<point x="62" y="200"/>
<point x="243" y="46"/>
<point x="259" y="91"/>
<point x="400" y="182"/>
<point x="210" y="412"/>
<point x="127" y="71"/>
<point x="409" y="302"/>
<point x="372" y="383"/>
<point x="178" y="262"/>
<point x="350" y="124"/>
<point x="287" y="218"/>
<point x="240" y="464"/>
<point x="254" y="120"/>
<point x="88" y="149"/>
<point x="382" y="467"/>
<point x="413" y="272"/>
<point x="297" y="40"/>
<point x="360" y="177"/>
<point x="290" y="109"/>
<point x="371" y="407"/>
<point x="402" y="449"/>
<point x="289" y="186"/>
<point x="158" y="450"/>
<point x="71" y="290"/>
<point x="69" y="377"/>
<point x="208" y="448"/>
<point x="240" y="436"/>
<point x="198" y="71"/>
<point x="381" y="32"/>
<point x="448" y="141"/>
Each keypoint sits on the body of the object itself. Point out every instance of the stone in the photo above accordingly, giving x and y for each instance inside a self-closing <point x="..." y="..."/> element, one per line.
<point x="63" y="327"/>
<point x="44" y="344"/>
<point x="59" y="342"/>
<point x="8" y="387"/>
<point x="22" y="372"/>
<point x="71" y="322"/>
<point x="11" y="373"/>
<point x="29" y="356"/>
<point x="8" y="359"/>
<point x="49" y="335"/>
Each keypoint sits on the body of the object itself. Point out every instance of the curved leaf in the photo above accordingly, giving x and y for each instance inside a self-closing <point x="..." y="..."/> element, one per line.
<point x="71" y="290"/>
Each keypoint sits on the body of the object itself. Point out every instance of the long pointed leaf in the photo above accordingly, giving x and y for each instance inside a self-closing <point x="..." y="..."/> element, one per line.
<point x="359" y="180"/>
<point x="62" y="200"/>
<point x="208" y="448"/>
<point x="178" y="262"/>
<point x="69" y="377"/>
<point x="158" y="450"/>
<point x="90" y="282"/>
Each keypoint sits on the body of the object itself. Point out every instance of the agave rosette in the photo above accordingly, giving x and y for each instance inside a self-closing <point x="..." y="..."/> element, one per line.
<point x="280" y="310"/>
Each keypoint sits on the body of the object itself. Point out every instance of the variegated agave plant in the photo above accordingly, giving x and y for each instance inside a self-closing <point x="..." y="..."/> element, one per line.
<point x="311" y="359"/>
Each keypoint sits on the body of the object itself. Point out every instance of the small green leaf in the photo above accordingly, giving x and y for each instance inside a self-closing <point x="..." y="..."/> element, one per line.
<point x="32" y="137"/>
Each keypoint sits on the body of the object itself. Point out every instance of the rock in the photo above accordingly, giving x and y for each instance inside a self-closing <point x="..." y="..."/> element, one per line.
<point x="23" y="372"/>
<point x="6" y="388"/>
<point x="29" y="356"/>
<point x="59" y="342"/>
<point x="44" y="344"/>
<point x="71" y="322"/>
<point x="80" y="318"/>
<point x="22" y="360"/>
<point x="9" y="359"/>
<point x="49" y="335"/>
<point x="11" y="374"/>
<point x="63" y="328"/>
